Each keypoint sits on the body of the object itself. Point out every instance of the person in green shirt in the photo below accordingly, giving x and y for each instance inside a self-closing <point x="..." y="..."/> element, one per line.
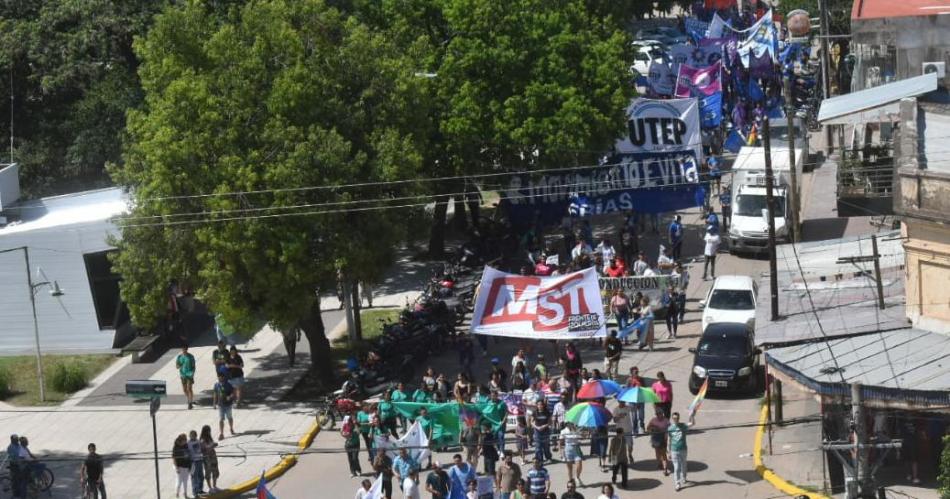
<point x="422" y="395"/>
<point x="387" y="414"/>
<point x="425" y="423"/>
<point x="351" y="442"/>
<point x="185" y="362"/>
<point x="676" y="448"/>
<point x="400" y="395"/>
<point x="364" y="419"/>
<point x="497" y="413"/>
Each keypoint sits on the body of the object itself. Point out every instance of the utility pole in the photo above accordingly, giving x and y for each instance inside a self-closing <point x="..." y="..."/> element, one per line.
<point x="36" y="325"/>
<point x="348" y="308"/>
<point x="824" y="32"/>
<point x="860" y="436"/>
<point x="877" y="272"/>
<point x="793" y="198"/>
<point x="770" y="202"/>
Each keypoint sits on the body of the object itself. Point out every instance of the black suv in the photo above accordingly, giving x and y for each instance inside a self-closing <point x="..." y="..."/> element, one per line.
<point x="728" y="356"/>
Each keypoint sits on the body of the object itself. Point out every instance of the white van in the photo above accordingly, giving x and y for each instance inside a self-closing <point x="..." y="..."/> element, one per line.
<point x="748" y="228"/>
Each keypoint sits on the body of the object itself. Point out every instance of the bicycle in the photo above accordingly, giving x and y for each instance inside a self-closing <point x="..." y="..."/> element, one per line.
<point x="40" y="480"/>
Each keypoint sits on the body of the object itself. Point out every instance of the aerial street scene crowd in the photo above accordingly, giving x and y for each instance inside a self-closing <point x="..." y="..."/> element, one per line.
<point x="475" y="249"/>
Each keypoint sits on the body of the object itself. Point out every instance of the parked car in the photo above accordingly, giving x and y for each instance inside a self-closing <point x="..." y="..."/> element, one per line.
<point x="727" y="355"/>
<point x="643" y="57"/>
<point x="663" y="34"/>
<point x="731" y="298"/>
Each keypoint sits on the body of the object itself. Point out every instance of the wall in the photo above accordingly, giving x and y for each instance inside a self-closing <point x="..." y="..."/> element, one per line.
<point x="913" y="41"/>
<point x="927" y="247"/>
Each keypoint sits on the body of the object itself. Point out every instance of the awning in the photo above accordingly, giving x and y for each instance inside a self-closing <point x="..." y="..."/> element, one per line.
<point x="874" y="105"/>
<point x="905" y="367"/>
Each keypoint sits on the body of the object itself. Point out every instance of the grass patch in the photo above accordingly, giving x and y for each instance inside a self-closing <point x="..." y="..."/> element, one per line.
<point x="24" y="387"/>
<point x="372" y="328"/>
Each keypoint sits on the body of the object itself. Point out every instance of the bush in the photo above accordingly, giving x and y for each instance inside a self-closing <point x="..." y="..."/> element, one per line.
<point x="6" y="382"/>
<point x="943" y="480"/>
<point x="68" y="377"/>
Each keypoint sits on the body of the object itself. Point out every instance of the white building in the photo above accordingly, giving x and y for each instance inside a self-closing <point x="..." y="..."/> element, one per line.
<point x="67" y="238"/>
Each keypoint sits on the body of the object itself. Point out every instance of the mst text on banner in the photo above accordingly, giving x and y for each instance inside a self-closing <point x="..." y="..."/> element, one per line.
<point x="544" y="308"/>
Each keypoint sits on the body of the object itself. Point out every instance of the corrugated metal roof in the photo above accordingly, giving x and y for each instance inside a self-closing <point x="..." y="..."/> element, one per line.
<point x="905" y="360"/>
<point x="842" y="295"/>
<point x="863" y="100"/>
<point x="868" y="9"/>
<point x="68" y="209"/>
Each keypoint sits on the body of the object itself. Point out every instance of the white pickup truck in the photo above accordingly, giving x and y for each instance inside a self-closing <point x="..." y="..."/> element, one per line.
<point x="748" y="228"/>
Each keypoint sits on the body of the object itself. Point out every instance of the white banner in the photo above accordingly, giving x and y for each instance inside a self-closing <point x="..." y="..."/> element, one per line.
<point x="543" y="308"/>
<point x="414" y="439"/>
<point x="662" y="126"/>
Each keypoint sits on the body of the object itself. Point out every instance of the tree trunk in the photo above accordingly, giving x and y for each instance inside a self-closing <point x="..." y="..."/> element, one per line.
<point x="458" y="215"/>
<point x="437" y="234"/>
<point x="357" y="306"/>
<point x="474" y="207"/>
<point x="320" y="358"/>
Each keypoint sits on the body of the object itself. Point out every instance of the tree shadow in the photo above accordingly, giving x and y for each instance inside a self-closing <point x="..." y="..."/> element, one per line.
<point x="641" y="484"/>
<point x="694" y="466"/>
<point x="747" y="476"/>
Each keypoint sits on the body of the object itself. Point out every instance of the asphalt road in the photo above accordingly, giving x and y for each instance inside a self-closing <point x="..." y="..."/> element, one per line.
<point x="720" y="462"/>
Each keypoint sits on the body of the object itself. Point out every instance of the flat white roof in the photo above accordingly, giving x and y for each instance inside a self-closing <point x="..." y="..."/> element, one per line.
<point x="68" y="209"/>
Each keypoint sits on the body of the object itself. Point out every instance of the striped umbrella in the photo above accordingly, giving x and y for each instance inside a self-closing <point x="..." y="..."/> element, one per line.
<point x="598" y="388"/>
<point x="638" y="395"/>
<point x="588" y="415"/>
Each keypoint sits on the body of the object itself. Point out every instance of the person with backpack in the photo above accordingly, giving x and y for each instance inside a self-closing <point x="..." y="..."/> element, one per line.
<point x="185" y="362"/>
<point x="224" y="402"/>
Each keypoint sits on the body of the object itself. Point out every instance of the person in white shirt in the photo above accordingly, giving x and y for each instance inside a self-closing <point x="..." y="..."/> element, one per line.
<point x="665" y="261"/>
<point x="410" y="486"/>
<point x="363" y="491"/>
<point x="571" y="453"/>
<point x="607" y="492"/>
<point x="519" y="357"/>
<point x="640" y="266"/>
<point x="623" y="416"/>
<point x="712" y="247"/>
<point x="606" y="251"/>
<point x="581" y="249"/>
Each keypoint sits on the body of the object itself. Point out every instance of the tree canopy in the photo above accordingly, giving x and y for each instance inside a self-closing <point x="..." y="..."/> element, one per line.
<point x="252" y="116"/>
<point x="74" y="76"/>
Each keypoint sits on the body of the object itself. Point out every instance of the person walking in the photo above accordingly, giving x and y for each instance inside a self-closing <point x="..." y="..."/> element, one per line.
<point x="182" y="463"/>
<point x="17" y="467"/>
<point x="236" y="373"/>
<point x="623" y="417"/>
<point x="208" y="445"/>
<point x="351" y="443"/>
<point x="383" y="466"/>
<point x="637" y="410"/>
<point x="224" y="401"/>
<point x="619" y="457"/>
<point x="539" y="481"/>
<point x="676" y="237"/>
<point x="541" y="424"/>
<point x="607" y="492"/>
<point x="94" y="487"/>
<point x="438" y="483"/>
<point x="571" y="454"/>
<point x="664" y="391"/>
<point x="185" y="362"/>
<point x="620" y="306"/>
<point x="219" y="357"/>
<point x="671" y="301"/>
<point x="488" y="448"/>
<point x="657" y="429"/>
<point x="613" y="350"/>
<point x="363" y="491"/>
<point x="712" y="240"/>
<point x="645" y="335"/>
<point x="403" y="466"/>
<point x="598" y="445"/>
<point x="572" y="365"/>
<point x="676" y="449"/>
<point x="364" y="420"/>
<point x="410" y="485"/>
<point x="197" y="464"/>
<point x="507" y="476"/>
<point x="461" y="470"/>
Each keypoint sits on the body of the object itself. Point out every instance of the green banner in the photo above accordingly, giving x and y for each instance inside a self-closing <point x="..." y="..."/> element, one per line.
<point x="447" y="417"/>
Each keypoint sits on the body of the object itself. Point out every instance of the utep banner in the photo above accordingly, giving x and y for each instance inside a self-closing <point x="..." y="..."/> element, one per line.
<point x="541" y="308"/>
<point x="698" y="82"/>
<point x="655" y="126"/>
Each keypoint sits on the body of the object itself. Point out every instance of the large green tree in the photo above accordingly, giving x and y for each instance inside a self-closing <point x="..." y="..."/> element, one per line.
<point x="520" y="84"/>
<point x="74" y="76"/>
<point x="282" y="101"/>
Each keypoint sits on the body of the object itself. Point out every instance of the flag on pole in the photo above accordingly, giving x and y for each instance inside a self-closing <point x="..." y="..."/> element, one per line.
<point x="695" y="28"/>
<point x="414" y="439"/>
<point x="717" y="27"/>
<point x="376" y="491"/>
<point x="698" y="82"/>
<point x="762" y="38"/>
<point x="262" y="492"/>
<point x="698" y="400"/>
<point x="468" y="416"/>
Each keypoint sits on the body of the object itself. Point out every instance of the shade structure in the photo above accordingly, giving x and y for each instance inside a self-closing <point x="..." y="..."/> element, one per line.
<point x="588" y="415"/>
<point x="638" y="395"/>
<point x="598" y="388"/>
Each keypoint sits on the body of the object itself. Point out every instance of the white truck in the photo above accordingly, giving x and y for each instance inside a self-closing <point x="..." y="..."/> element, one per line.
<point x="748" y="227"/>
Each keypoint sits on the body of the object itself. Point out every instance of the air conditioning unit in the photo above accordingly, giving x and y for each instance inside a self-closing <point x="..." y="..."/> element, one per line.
<point x="939" y="67"/>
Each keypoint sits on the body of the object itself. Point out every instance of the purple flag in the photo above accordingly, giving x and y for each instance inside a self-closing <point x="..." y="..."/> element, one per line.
<point x="694" y="82"/>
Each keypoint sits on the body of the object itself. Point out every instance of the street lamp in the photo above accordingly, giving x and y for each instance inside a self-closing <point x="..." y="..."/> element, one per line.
<point x="56" y="292"/>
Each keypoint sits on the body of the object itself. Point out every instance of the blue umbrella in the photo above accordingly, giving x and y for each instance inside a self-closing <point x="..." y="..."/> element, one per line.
<point x="638" y="395"/>
<point x="588" y="415"/>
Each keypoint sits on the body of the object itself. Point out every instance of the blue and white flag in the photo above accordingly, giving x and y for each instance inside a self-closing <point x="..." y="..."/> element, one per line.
<point x="710" y="109"/>
<point x="717" y="27"/>
<point x="695" y="28"/>
<point x="761" y="38"/>
<point x="734" y="141"/>
<point x="662" y="78"/>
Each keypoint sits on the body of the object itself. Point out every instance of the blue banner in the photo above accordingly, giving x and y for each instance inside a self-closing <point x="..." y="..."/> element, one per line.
<point x="655" y="182"/>
<point x="710" y="110"/>
<point x="734" y="141"/>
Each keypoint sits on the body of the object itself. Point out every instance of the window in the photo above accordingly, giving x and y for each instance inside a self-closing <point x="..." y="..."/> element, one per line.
<point x="104" y="284"/>
<point x="731" y="299"/>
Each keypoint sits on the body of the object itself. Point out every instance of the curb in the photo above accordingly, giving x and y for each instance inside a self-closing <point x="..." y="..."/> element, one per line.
<point x="274" y="472"/>
<point x="767" y="474"/>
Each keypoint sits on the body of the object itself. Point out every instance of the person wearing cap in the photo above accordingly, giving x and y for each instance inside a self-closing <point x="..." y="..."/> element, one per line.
<point x="712" y="240"/>
<point x="676" y="237"/>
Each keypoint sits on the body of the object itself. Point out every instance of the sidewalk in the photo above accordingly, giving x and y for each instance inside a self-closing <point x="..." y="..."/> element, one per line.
<point x="121" y="427"/>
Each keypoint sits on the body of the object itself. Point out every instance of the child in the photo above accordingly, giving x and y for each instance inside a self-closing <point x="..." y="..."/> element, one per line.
<point x="540" y="370"/>
<point x="521" y="436"/>
<point x="557" y="418"/>
<point x="472" y="492"/>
